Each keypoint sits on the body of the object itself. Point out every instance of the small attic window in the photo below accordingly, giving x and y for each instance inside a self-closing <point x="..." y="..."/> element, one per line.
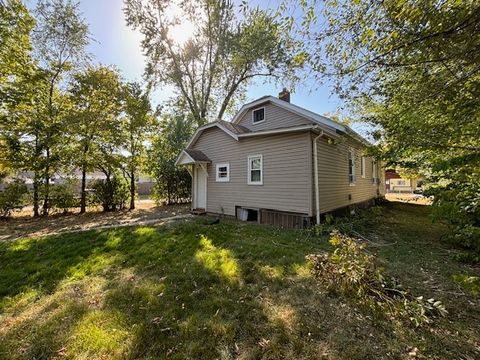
<point x="258" y="115"/>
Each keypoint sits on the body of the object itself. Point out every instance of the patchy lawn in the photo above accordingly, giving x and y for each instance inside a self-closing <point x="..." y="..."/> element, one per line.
<point x="24" y="225"/>
<point x="230" y="290"/>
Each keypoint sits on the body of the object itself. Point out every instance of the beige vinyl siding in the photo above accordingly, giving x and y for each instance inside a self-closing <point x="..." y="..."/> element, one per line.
<point x="334" y="186"/>
<point x="286" y="172"/>
<point x="275" y="117"/>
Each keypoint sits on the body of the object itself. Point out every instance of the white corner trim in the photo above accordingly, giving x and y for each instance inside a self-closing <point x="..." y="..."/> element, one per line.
<point x="264" y="115"/>
<point x="249" y="167"/>
<point x="362" y="167"/>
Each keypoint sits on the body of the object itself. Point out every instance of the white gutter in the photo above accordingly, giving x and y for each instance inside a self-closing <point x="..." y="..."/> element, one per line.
<point x="315" y="167"/>
<point x="276" y="131"/>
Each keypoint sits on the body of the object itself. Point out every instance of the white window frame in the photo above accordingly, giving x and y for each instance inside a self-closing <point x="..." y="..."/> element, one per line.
<point x="249" y="172"/>
<point x="362" y="167"/>
<point x="217" y="173"/>
<point x="374" y="172"/>
<point x="351" y="167"/>
<point x="264" y="115"/>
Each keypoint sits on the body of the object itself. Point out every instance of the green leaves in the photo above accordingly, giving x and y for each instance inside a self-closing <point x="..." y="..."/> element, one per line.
<point x="228" y="49"/>
<point x="411" y="70"/>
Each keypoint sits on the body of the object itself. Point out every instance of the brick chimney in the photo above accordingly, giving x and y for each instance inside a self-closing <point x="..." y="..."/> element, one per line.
<point x="284" y="95"/>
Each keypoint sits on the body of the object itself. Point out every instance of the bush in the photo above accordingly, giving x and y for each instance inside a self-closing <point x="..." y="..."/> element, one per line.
<point x="12" y="198"/>
<point x="354" y="272"/>
<point x="469" y="283"/>
<point x="113" y="194"/>
<point x="62" y="197"/>
<point x="457" y="204"/>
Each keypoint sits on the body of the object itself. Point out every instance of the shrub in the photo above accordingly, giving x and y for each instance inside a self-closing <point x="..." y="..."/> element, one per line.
<point x="469" y="283"/>
<point x="113" y="194"/>
<point x="63" y="198"/>
<point x="356" y="273"/>
<point x="13" y="197"/>
<point x="457" y="204"/>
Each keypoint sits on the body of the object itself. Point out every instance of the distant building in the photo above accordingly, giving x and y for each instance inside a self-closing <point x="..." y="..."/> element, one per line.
<point x="394" y="183"/>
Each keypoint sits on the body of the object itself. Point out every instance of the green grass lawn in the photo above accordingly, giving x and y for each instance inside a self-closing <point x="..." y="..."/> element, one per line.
<point x="189" y="290"/>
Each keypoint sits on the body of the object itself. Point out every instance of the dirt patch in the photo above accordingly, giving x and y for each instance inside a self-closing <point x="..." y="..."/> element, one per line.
<point x="24" y="225"/>
<point x="409" y="198"/>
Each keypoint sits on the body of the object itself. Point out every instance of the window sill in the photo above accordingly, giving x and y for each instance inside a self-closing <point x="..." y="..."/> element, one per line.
<point x="352" y="184"/>
<point x="255" y="184"/>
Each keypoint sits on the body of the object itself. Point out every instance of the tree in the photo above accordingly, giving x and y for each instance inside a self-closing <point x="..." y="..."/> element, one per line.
<point x="17" y="79"/>
<point x="412" y="70"/>
<point x="60" y="38"/>
<point x="16" y="24"/>
<point x="172" y="183"/>
<point x="226" y="51"/>
<point x="137" y="124"/>
<point x="96" y="129"/>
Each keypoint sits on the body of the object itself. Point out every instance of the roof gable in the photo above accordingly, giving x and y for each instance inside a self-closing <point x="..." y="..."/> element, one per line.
<point x="309" y="115"/>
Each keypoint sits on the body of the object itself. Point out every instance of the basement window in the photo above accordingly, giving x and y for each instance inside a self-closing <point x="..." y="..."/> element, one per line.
<point x="250" y="215"/>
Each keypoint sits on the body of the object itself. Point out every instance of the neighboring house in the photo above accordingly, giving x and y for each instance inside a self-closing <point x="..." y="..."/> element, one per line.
<point x="394" y="183"/>
<point x="278" y="163"/>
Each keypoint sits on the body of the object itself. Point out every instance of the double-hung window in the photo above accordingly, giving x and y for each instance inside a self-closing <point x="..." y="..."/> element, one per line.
<point x="222" y="172"/>
<point x="255" y="170"/>
<point x="374" y="171"/>
<point x="351" y="167"/>
<point x="258" y="115"/>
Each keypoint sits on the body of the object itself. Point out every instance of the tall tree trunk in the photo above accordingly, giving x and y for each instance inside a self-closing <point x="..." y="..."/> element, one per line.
<point x="35" y="195"/>
<point x="108" y="204"/>
<point x="47" y="184"/>
<point x="83" y="195"/>
<point x="132" y="190"/>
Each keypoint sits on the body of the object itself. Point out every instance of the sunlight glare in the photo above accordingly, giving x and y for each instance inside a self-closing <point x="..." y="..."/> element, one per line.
<point x="183" y="31"/>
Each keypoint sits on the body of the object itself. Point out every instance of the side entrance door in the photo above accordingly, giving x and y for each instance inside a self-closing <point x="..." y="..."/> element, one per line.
<point x="200" y="188"/>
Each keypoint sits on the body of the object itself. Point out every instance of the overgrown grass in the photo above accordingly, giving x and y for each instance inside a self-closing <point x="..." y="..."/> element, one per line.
<point x="189" y="290"/>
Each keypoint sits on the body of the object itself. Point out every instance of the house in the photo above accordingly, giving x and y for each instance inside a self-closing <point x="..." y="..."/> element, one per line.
<point x="394" y="183"/>
<point x="280" y="164"/>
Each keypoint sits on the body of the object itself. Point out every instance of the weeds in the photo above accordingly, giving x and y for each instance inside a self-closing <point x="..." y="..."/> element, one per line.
<point x="469" y="283"/>
<point x="351" y="270"/>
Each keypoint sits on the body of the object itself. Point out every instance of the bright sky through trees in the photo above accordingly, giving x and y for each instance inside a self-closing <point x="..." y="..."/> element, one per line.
<point x="118" y="45"/>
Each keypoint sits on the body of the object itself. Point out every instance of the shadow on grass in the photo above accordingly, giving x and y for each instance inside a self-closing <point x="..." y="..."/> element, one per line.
<point x="185" y="290"/>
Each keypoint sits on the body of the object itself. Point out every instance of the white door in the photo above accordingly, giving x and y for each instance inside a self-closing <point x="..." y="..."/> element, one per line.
<point x="200" y="188"/>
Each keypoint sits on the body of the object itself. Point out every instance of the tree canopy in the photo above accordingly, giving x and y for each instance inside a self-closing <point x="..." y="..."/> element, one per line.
<point x="411" y="69"/>
<point x="226" y="51"/>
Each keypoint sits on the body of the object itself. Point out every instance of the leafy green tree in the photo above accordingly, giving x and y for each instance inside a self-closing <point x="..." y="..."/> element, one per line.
<point x="16" y="24"/>
<point x="19" y="82"/>
<point x="137" y="125"/>
<point x="172" y="183"/>
<point x="60" y="38"/>
<point x="226" y="51"/>
<point x="95" y="125"/>
<point x="412" y="70"/>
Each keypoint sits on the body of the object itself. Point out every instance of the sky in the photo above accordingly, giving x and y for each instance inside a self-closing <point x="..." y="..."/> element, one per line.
<point x="116" y="44"/>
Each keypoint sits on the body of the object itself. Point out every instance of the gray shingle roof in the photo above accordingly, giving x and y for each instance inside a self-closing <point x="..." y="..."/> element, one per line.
<point x="234" y="128"/>
<point x="197" y="155"/>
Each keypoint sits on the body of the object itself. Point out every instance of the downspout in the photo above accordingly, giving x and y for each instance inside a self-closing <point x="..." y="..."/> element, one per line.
<point x="315" y="169"/>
